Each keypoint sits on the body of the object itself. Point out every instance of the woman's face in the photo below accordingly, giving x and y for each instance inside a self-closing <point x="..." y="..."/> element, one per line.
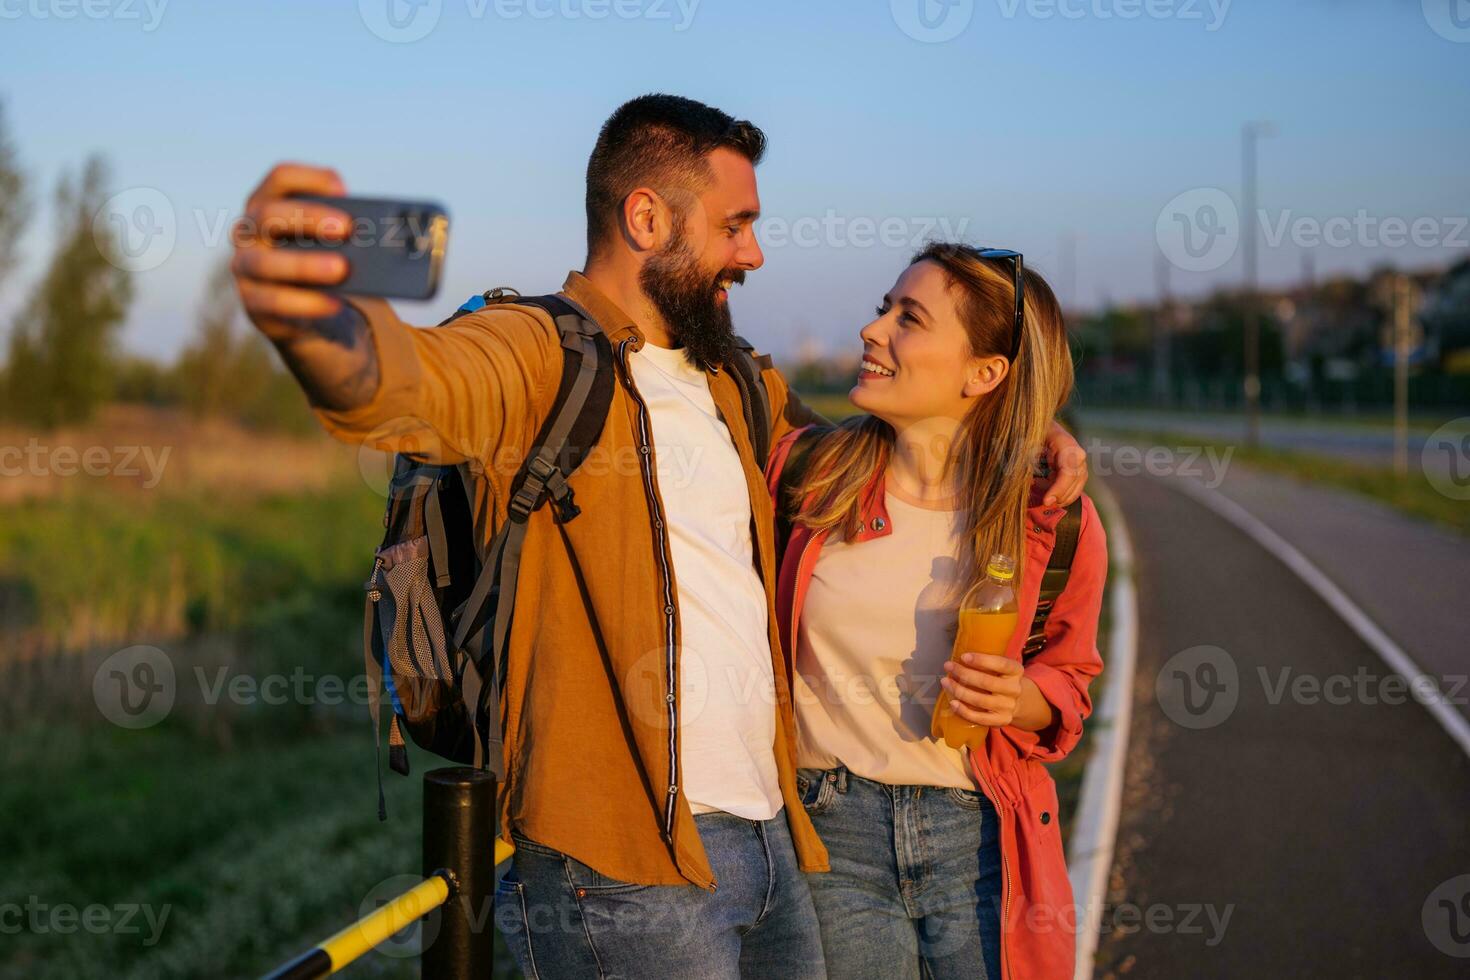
<point x="917" y="363"/>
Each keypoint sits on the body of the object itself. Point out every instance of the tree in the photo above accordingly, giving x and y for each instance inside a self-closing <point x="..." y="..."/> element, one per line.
<point x="206" y="365"/>
<point x="228" y="371"/>
<point x="63" y="350"/>
<point x="15" y="209"/>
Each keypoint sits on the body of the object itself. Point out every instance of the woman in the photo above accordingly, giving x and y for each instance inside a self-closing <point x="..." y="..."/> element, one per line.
<point x="945" y="863"/>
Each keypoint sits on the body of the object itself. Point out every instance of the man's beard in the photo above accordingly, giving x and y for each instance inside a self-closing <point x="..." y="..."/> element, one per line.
<point x="684" y="296"/>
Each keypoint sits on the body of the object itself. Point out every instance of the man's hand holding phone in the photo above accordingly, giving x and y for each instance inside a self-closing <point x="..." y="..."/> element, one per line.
<point x="278" y="283"/>
<point x="284" y="288"/>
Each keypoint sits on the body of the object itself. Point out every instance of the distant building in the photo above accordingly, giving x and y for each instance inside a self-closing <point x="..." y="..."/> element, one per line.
<point x="1445" y="314"/>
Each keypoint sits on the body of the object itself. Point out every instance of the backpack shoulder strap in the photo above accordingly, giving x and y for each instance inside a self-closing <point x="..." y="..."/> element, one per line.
<point x="569" y="433"/>
<point x="575" y="421"/>
<point x="1054" y="579"/>
<point x="754" y="398"/>
<point x="571" y="429"/>
<point x="1069" y="528"/>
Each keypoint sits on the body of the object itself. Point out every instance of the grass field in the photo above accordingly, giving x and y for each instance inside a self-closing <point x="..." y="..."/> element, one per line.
<point x="833" y="406"/>
<point x="246" y="831"/>
<point x="91" y="570"/>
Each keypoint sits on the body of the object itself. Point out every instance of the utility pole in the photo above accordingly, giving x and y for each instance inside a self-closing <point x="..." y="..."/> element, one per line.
<point x="1162" y="317"/>
<point x="1402" y="341"/>
<point x="1249" y="134"/>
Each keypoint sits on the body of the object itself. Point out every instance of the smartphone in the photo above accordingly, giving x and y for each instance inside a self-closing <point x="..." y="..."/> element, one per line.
<point x="395" y="248"/>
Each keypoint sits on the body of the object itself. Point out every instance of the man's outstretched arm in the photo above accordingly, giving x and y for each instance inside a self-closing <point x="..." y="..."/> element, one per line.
<point x="324" y="342"/>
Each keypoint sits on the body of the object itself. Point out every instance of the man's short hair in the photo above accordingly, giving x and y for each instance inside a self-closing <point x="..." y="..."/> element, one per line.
<point x="658" y="141"/>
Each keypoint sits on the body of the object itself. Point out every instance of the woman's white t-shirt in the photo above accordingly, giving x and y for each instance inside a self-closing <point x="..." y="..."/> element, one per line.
<point x="876" y="627"/>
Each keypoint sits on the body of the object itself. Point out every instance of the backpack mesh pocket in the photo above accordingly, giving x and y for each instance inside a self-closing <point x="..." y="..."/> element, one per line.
<point x="411" y="628"/>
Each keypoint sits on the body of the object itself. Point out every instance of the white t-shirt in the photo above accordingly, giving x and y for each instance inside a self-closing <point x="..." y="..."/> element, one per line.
<point x="877" y="626"/>
<point x="727" y="699"/>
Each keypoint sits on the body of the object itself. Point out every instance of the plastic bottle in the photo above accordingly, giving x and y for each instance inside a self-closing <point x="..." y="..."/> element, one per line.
<point x="987" y="619"/>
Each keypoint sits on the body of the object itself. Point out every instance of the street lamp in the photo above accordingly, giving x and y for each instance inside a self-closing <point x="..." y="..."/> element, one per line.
<point x="1249" y="134"/>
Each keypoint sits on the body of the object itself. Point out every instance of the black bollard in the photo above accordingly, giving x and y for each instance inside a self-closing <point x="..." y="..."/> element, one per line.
<point x="459" y="836"/>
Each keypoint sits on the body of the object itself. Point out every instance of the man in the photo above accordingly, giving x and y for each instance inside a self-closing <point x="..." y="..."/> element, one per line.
<point x="650" y="787"/>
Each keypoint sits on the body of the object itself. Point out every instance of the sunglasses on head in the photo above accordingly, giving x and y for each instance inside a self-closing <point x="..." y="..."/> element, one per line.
<point x="1015" y="257"/>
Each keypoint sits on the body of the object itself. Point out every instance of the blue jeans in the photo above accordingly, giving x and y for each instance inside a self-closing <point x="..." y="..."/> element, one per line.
<point x="914" y="890"/>
<point x="565" y="921"/>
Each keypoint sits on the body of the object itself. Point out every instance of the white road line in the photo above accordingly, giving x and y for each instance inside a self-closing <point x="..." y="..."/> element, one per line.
<point x="1425" y="687"/>
<point x="1095" y="828"/>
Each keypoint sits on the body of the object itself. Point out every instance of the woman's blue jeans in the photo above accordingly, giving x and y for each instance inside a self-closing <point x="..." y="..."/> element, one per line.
<point x="915" y="886"/>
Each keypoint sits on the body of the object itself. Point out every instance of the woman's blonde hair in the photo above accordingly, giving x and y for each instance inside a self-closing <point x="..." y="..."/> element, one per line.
<point x="994" y="455"/>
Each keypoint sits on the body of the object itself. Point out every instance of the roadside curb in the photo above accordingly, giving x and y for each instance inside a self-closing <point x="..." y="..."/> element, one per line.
<point x="1095" y="827"/>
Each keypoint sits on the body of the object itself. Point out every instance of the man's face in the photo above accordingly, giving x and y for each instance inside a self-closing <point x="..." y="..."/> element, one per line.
<point x="709" y="250"/>
<point x="724" y="222"/>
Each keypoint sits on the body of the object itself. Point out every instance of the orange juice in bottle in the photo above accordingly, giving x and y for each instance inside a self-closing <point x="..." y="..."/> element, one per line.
<point x="987" y="619"/>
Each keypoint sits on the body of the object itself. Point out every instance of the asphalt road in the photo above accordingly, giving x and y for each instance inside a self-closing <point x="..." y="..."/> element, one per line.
<point x="1281" y="817"/>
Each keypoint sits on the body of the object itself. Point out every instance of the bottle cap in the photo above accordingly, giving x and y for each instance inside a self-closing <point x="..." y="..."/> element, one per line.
<point x="1002" y="567"/>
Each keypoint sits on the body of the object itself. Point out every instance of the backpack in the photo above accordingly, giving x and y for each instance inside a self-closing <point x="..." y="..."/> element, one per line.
<point x="437" y="620"/>
<point x="1053" y="580"/>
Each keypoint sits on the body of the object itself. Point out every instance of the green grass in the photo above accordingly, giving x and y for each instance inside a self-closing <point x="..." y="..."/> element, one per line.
<point x="1411" y="494"/>
<point x="249" y="831"/>
<point x="832" y="406"/>
<point x="250" y="853"/>
<point x="93" y="569"/>
<point x="255" y="846"/>
<point x="245" y="857"/>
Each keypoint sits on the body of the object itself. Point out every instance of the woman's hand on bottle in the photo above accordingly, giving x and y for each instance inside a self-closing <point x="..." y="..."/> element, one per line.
<point x="986" y="689"/>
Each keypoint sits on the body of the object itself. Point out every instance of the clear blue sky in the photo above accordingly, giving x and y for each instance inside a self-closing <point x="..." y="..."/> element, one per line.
<point x="1036" y="121"/>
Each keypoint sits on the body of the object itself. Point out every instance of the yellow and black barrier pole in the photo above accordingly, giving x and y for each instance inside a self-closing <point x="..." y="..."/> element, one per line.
<point x="460" y="872"/>
<point x="367" y="932"/>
